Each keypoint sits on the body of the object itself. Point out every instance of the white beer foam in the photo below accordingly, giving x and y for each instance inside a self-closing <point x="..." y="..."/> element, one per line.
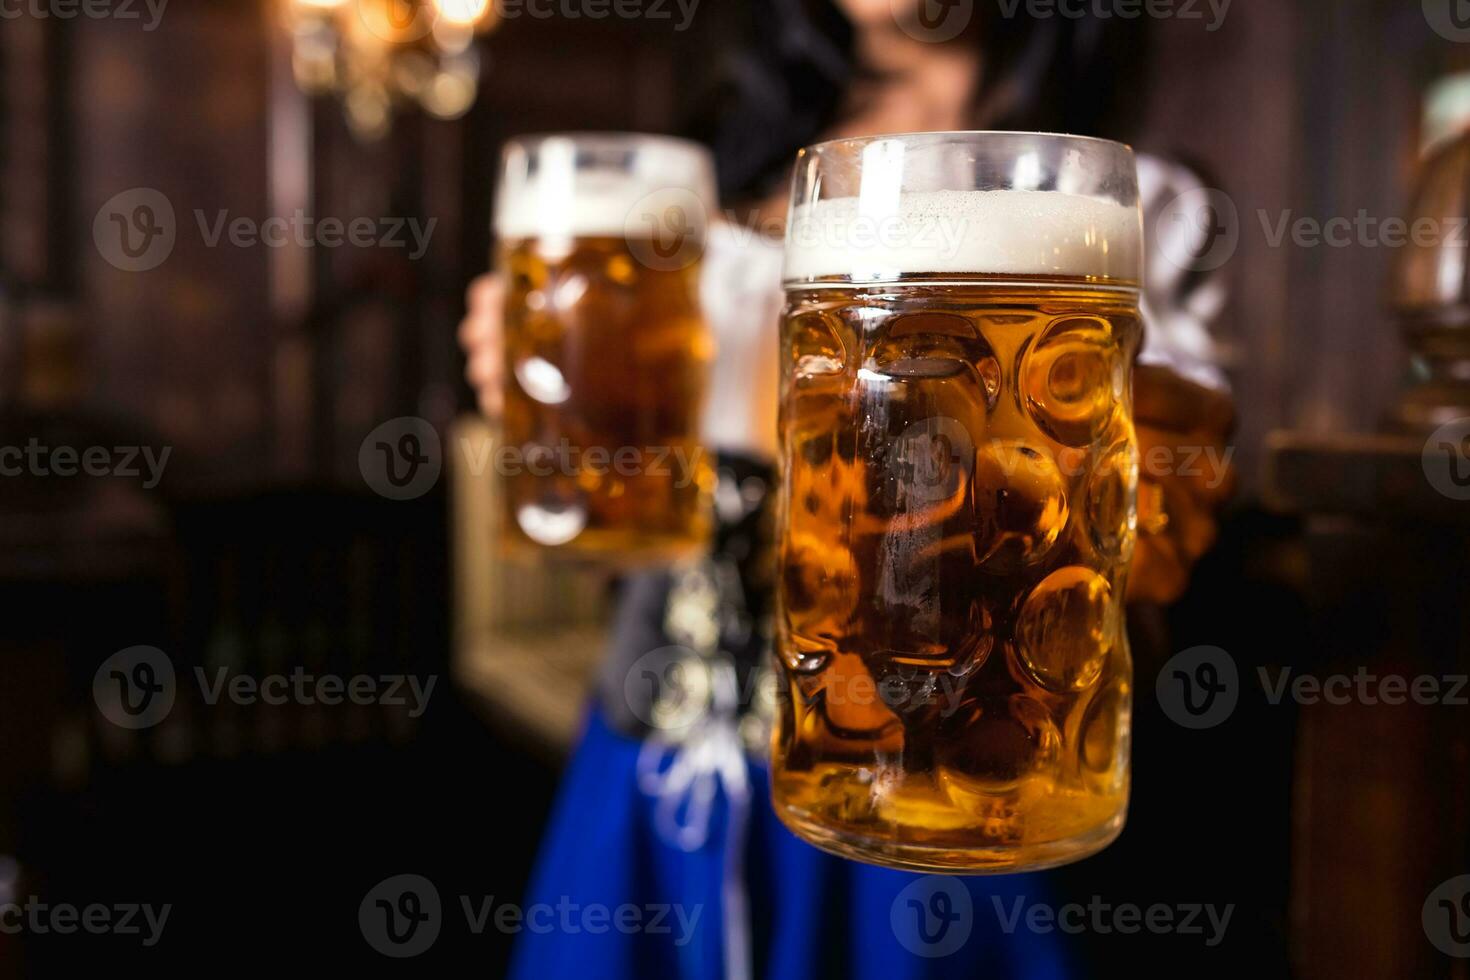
<point x="589" y="205"/>
<point x="1012" y="232"/>
<point x="566" y="194"/>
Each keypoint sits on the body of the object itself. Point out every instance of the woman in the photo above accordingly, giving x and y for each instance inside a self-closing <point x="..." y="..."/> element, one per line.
<point x="647" y="818"/>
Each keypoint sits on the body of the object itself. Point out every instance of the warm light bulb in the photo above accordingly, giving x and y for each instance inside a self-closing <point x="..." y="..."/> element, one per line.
<point x="462" y="11"/>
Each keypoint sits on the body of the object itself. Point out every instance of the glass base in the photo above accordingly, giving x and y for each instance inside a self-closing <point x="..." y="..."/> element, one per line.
<point x="625" y="550"/>
<point x="932" y="859"/>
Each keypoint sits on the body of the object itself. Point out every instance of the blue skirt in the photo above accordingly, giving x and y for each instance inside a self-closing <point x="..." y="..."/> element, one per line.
<point x="616" y="895"/>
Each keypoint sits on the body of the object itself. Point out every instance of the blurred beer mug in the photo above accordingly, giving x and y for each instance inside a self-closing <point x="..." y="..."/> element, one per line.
<point x="958" y="505"/>
<point x="600" y="239"/>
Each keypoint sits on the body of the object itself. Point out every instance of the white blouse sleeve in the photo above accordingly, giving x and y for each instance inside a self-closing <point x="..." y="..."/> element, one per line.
<point x="740" y="295"/>
<point x="1179" y="302"/>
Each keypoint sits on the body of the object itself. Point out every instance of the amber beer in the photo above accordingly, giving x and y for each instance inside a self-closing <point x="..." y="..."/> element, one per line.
<point x="606" y="352"/>
<point x="958" y="516"/>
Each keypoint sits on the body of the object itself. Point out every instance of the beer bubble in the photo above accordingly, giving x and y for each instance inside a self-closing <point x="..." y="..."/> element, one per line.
<point x="1065" y="629"/>
<point x="816" y="349"/>
<point x="1068" y="379"/>
<point x="994" y="742"/>
<point x="1020" y="503"/>
<point x="1104" y="738"/>
<point x="1111" y="492"/>
<point x="933" y="346"/>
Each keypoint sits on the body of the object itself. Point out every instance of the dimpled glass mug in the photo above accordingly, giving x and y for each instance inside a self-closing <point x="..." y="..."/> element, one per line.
<point x="607" y="354"/>
<point x="958" y="499"/>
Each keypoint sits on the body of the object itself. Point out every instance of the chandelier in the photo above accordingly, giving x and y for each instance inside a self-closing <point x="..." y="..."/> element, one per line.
<point x="379" y="54"/>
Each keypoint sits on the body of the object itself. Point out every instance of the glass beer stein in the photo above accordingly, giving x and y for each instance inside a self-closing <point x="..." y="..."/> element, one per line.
<point x="600" y="237"/>
<point x="957" y="510"/>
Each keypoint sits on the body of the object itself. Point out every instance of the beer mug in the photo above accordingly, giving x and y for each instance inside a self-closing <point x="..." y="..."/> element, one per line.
<point x="957" y="508"/>
<point x="600" y="237"/>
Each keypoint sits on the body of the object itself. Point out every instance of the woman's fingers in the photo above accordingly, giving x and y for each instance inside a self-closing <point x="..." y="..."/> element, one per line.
<point x="1165" y="400"/>
<point x="1182" y="429"/>
<point x="1159" y="574"/>
<point x="480" y="334"/>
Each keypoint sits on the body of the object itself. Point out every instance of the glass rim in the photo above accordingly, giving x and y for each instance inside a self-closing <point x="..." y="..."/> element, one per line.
<point x="1058" y="137"/>
<point x="849" y="217"/>
<point x="611" y="138"/>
